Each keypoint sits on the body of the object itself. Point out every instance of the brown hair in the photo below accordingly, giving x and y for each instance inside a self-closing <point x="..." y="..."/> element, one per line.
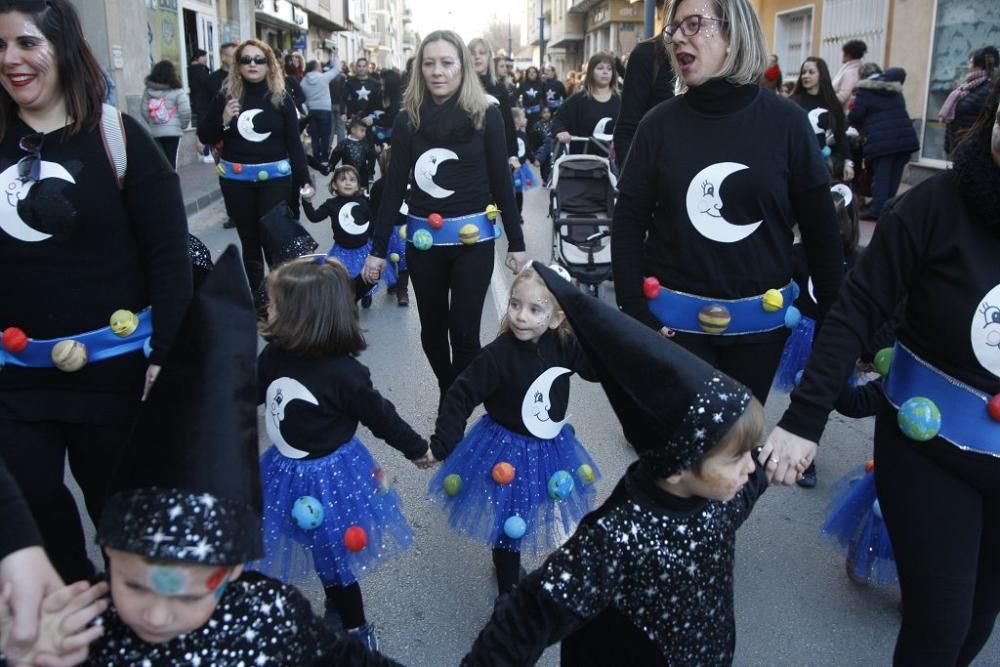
<point x="595" y="60"/>
<point x="315" y="314"/>
<point x="275" y="75"/>
<point x="340" y="171"/>
<point x="741" y="437"/>
<point x="564" y="330"/>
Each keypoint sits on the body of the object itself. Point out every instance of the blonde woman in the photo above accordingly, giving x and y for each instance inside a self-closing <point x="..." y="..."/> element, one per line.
<point x="262" y="159"/>
<point x="593" y="110"/>
<point x="496" y="92"/>
<point x="452" y="141"/>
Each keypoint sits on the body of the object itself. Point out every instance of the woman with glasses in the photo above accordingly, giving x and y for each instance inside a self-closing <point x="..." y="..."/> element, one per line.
<point x="262" y="160"/>
<point x="449" y="145"/>
<point x="591" y="112"/>
<point x="715" y="180"/>
<point x="94" y="267"/>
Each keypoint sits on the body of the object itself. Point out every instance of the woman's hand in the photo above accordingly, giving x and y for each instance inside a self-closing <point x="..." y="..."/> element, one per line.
<point x="231" y="110"/>
<point x="31" y="577"/>
<point x="564" y="137"/>
<point x="785" y="456"/>
<point x="514" y="163"/>
<point x="515" y="261"/>
<point x="373" y="269"/>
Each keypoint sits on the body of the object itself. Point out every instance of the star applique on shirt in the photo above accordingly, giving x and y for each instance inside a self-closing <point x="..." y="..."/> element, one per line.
<point x="363" y="93"/>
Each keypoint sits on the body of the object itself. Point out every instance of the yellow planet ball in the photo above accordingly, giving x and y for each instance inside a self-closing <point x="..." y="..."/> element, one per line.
<point x="394" y="257"/>
<point x="773" y="300"/>
<point x="124" y="323"/>
<point x="491" y="211"/>
<point x="586" y="474"/>
<point x="402" y="232"/>
<point x="469" y="234"/>
<point x="69" y="355"/>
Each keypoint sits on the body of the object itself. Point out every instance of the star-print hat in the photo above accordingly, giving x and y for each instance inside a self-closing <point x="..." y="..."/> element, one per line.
<point x="673" y="406"/>
<point x="188" y="488"/>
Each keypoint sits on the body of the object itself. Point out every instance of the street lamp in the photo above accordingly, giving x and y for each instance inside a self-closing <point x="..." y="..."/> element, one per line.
<point x="541" y="34"/>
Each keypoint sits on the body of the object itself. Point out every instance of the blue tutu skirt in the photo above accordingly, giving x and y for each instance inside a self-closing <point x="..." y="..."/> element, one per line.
<point x="854" y="520"/>
<point x="354" y="260"/>
<point x="524" y="178"/>
<point x="352" y="491"/>
<point x="481" y="506"/>
<point x="796" y="355"/>
<point x="397" y="245"/>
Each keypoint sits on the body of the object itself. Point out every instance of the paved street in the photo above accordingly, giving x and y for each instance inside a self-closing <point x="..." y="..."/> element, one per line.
<point x="794" y="604"/>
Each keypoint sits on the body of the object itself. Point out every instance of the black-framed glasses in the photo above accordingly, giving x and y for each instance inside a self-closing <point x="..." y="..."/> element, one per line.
<point x="253" y="60"/>
<point x="689" y="27"/>
<point x="29" y="168"/>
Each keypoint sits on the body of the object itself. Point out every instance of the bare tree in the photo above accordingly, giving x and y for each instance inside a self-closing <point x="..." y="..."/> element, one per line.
<point x="496" y="32"/>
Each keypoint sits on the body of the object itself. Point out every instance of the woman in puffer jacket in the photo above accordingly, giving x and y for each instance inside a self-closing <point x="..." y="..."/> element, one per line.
<point x="879" y="114"/>
<point x="166" y="108"/>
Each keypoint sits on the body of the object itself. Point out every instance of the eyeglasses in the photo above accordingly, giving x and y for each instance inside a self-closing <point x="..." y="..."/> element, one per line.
<point x="253" y="60"/>
<point x="29" y="168"/>
<point x="689" y="27"/>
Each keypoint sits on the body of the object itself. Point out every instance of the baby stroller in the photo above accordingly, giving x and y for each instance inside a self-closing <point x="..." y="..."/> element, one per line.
<point x="581" y="204"/>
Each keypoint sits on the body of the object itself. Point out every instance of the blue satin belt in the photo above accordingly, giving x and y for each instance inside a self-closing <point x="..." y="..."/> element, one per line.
<point x="448" y="233"/>
<point x="679" y="311"/>
<point x="236" y="171"/>
<point x="965" y="422"/>
<point x="537" y="108"/>
<point x="101" y="344"/>
<point x="553" y="104"/>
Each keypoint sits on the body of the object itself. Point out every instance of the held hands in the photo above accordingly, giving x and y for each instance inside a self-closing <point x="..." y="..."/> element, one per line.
<point x="307" y="191"/>
<point x="667" y="332"/>
<point x="515" y="261"/>
<point x="27" y="576"/>
<point x="427" y="461"/>
<point x="373" y="269"/>
<point x="564" y="137"/>
<point x="786" y="456"/>
<point x="231" y="110"/>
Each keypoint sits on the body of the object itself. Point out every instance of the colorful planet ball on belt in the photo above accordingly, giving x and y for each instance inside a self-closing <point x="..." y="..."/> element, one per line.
<point x="491" y="211"/>
<point x="69" y="355"/>
<point x="714" y="318"/>
<point x="220" y="169"/>
<point x="124" y="323"/>
<point x="262" y="175"/>
<point x="772" y="301"/>
<point x="147" y="347"/>
<point x="503" y="473"/>
<point x="284" y="167"/>
<point x="237" y="168"/>
<point x="402" y="232"/>
<point x="435" y="221"/>
<point x="792" y="317"/>
<point x="650" y="288"/>
<point x="422" y="239"/>
<point x="355" y="539"/>
<point x="14" y="340"/>
<point x="515" y="527"/>
<point x="307" y="512"/>
<point x="919" y="419"/>
<point x="560" y="485"/>
<point x="468" y="234"/>
<point x="452" y="484"/>
<point x="586" y="474"/>
<point x="883" y="360"/>
<point x="993" y="408"/>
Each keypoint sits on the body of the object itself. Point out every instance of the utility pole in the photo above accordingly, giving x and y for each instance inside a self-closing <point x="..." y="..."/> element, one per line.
<point x="510" y="39"/>
<point x="541" y="34"/>
<point x="650" y="18"/>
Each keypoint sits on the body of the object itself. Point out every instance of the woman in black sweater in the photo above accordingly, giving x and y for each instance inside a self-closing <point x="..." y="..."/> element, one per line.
<point x="452" y="141"/>
<point x="496" y="92"/>
<point x="262" y="158"/>
<point x="814" y="93"/>
<point x="937" y="467"/>
<point x="714" y="182"/>
<point x="592" y="111"/>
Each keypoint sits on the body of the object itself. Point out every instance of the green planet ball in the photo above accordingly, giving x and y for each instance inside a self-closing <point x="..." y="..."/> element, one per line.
<point x="452" y="484"/>
<point x="262" y="175"/>
<point x="422" y="239"/>
<point x="883" y="359"/>
<point x="560" y="485"/>
<point x="919" y="419"/>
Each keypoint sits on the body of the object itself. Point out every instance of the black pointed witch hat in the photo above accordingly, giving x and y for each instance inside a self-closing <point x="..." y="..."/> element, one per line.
<point x="189" y="486"/>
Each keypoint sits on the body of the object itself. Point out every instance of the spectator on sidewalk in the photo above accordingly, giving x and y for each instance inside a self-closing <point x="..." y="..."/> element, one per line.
<point x="847" y="76"/>
<point x="316" y="88"/>
<point x="198" y="74"/>
<point x="166" y="108"/>
<point x="965" y="103"/>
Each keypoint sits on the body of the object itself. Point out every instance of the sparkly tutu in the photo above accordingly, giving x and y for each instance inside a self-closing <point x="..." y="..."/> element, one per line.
<point x="397" y="244"/>
<point x="854" y="520"/>
<point x="796" y="354"/>
<point x="481" y="506"/>
<point x="354" y="260"/>
<point x="352" y="491"/>
<point x="524" y="178"/>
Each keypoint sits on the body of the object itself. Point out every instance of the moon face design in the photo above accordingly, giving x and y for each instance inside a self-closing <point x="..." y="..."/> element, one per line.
<point x="346" y="219"/>
<point x="985" y="331"/>
<point x="16" y="190"/>
<point x="601" y="129"/>
<point x="426" y="168"/>
<point x="845" y="192"/>
<point x="704" y="204"/>
<point x="536" y="405"/>
<point x="814" y="116"/>
<point x="244" y="125"/>
<point x="280" y="393"/>
<point x="520" y="147"/>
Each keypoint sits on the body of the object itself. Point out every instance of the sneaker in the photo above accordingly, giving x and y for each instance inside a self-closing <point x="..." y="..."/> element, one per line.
<point x="808" y="480"/>
<point x="366" y="635"/>
<point x="366" y="301"/>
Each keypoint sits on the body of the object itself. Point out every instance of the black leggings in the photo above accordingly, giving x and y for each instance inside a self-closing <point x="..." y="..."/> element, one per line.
<point x="246" y="204"/>
<point x="462" y="273"/>
<point x="348" y="603"/>
<point x="169" y="147"/>
<point x="942" y="508"/>
<point x="753" y="364"/>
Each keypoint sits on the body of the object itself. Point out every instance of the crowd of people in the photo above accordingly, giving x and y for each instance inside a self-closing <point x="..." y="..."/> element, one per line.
<point x="137" y="360"/>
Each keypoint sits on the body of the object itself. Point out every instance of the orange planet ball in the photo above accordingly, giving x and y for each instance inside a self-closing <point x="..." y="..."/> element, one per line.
<point x="993" y="408"/>
<point x="237" y="168"/>
<point x="355" y="539"/>
<point x="14" y="340"/>
<point x="503" y="473"/>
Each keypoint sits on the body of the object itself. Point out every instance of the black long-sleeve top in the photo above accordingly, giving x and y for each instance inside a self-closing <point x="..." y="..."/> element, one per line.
<point x="498" y="94"/>
<point x="359" y="154"/>
<point x="641" y="93"/>
<point x="584" y="116"/>
<point x="334" y="395"/>
<point x="504" y="378"/>
<point x="361" y="96"/>
<point x="479" y="176"/>
<point x="524" y="150"/>
<point x="647" y="579"/>
<point x="354" y="230"/>
<point x="386" y="116"/>
<point x="530" y="94"/>
<point x="108" y="249"/>
<point x="822" y="120"/>
<point x="555" y="93"/>
<point x="260" y="133"/>
<point x="930" y="249"/>
<point x="682" y="152"/>
<point x="17" y="530"/>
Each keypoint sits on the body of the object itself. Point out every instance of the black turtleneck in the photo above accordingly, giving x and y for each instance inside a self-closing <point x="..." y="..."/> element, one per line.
<point x="503" y="99"/>
<point x="724" y="157"/>
<point x="936" y="246"/>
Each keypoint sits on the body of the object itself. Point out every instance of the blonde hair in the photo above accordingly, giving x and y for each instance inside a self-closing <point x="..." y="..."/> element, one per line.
<point x="564" y="331"/>
<point x="588" y="81"/>
<point x="491" y="65"/>
<point x="471" y="95"/>
<point x="747" y="55"/>
<point x="275" y="74"/>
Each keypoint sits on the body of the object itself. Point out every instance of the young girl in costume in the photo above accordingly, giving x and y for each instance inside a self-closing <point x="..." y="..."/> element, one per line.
<point x="328" y="507"/>
<point x="397" y="239"/>
<point x="520" y="475"/>
<point x="524" y="179"/>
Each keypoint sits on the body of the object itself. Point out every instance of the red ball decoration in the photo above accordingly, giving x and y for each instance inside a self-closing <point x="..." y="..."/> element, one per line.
<point x="355" y="538"/>
<point x="651" y="288"/>
<point x="237" y="168"/>
<point x="435" y="221"/>
<point x="503" y="473"/>
<point x="993" y="407"/>
<point x="14" y="340"/>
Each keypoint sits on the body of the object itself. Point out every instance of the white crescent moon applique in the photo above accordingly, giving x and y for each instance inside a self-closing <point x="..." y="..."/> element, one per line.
<point x="704" y="204"/>
<point x="426" y="168"/>
<point x="16" y="190"/>
<point x="814" y="116"/>
<point x="520" y="147"/>
<point x="346" y="219"/>
<point x="985" y="331"/>
<point x="492" y="100"/>
<point x="280" y="393"/>
<point x="244" y="125"/>
<point x="536" y="405"/>
<point x="601" y="129"/>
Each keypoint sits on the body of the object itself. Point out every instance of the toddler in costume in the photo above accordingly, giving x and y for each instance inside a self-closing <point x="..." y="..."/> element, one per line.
<point x="328" y="507"/>
<point x="520" y="469"/>
<point x="356" y="151"/>
<point x="397" y="239"/>
<point x="524" y="179"/>
<point x="647" y="579"/>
